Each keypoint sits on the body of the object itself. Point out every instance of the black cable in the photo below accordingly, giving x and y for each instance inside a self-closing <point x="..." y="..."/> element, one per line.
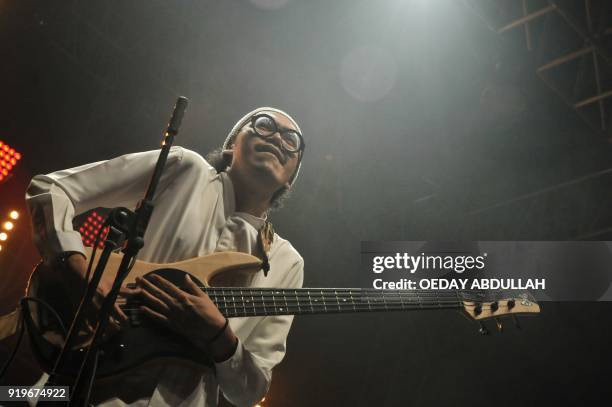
<point x="24" y="308"/>
<point x="49" y="308"/>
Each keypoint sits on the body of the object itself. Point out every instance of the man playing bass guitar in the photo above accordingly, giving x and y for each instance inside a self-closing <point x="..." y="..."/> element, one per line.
<point x="202" y="206"/>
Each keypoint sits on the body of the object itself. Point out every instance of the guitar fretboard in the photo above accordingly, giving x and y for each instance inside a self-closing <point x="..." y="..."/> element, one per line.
<point x="249" y="302"/>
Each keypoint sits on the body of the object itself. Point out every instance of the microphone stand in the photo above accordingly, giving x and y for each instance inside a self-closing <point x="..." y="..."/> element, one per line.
<point x="123" y="224"/>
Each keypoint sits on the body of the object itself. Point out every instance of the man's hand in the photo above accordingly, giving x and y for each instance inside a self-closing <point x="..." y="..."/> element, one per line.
<point x="190" y="313"/>
<point x="77" y="269"/>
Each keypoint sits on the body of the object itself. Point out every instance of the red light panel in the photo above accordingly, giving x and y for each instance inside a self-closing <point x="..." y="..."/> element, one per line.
<point x="8" y="159"/>
<point x="91" y="228"/>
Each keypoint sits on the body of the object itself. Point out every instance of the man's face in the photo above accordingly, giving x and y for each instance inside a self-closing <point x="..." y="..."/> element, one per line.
<point x="265" y="156"/>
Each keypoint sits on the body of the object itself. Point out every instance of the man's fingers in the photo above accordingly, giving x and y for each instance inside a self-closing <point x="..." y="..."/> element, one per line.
<point x="193" y="287"/>
<point x="154" y="302"/>
<point x="128" y="292"/>
<point x="156" y="316"/>
<point x="118" y="312"/>
<point x="112" y="327"/>
<point x="154" y="290"/>
<point x="167" y="286"/>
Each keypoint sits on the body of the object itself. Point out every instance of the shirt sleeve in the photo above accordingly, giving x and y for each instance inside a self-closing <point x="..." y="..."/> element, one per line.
<point x="54" y="199"/>
<point x="245" y="378"/>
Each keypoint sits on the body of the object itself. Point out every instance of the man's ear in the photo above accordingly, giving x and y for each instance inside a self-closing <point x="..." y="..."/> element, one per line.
<point x="229" y="153"/>
<point x="228" y="156"/>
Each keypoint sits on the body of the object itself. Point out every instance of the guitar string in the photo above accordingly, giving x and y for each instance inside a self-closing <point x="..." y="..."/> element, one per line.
<point x="334" y="291"/>
<point x="313" y="295"/>
<point x="490" y="295"/>
<point x="231" y="295"/>
<point x="336" y="294"/>
<point x="261" y="311"/>
<point x="290" y="303"/>
<point x="281" y="306"/>
<point x="232" y="300"/>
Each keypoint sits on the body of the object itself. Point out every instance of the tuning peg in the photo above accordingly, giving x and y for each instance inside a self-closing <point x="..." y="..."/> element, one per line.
<point x="483" y="329"/>
<point x="500" y="326"/>
<point x="516" y="322"/>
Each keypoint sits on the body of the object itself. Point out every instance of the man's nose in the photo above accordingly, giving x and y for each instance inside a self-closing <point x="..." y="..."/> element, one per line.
<point x="277" y="139"/>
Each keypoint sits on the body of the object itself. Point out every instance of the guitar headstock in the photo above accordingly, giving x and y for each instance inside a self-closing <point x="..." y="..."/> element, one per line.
<point x="484" y="307"/>
<point x="481" y="307"/>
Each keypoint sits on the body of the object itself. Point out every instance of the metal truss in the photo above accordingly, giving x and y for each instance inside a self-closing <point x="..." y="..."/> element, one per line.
<point x="571" y="42"/>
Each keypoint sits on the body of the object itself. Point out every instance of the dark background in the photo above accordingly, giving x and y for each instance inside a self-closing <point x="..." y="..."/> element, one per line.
<point x="421" y="123"/>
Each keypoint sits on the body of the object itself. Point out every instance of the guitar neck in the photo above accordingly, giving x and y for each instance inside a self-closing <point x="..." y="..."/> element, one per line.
<point x="249" y="302"/>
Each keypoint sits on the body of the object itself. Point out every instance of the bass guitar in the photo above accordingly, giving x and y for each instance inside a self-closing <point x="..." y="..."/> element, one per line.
<point x="142" y="341"/>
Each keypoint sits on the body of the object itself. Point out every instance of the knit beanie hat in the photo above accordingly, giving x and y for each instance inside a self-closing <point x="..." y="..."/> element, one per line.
<point x="247" y="117"/>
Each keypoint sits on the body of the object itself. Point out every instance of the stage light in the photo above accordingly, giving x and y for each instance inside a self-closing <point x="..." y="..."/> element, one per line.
<point x="8" y="225"/>
<point x="8" y="159"/>
<point x="91" y="228"/>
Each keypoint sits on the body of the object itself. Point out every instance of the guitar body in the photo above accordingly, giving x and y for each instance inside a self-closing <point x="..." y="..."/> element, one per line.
<point x="139" y="343"/>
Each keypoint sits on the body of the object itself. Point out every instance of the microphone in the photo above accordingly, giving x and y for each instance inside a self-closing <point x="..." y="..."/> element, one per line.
<point x="177" y="116"/>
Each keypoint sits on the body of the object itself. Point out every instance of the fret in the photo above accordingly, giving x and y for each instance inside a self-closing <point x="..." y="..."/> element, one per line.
<point x="286" y="305"/>
<point x="384" y="299"/>
<point x="401" y="298"/>
<point x="273" y="301"/>
<point x="224" y="301"/>
<point x="243" y="304"/>
<point x="234" y="300"/>
<point x="337" y="299"/>
<point x="310" y="300"/>
<point x="264" y="302"/>
<point x="353" y="300"/>
<point x="323" y="299"/>
<point x="368" y="299"/>
<point x="219" y="302"/>
<point x="253" y="303"/>
<point x="297" y="301"/>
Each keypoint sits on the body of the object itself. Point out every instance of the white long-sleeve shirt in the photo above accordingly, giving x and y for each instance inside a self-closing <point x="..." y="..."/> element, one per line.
<point x="194" y="215"/>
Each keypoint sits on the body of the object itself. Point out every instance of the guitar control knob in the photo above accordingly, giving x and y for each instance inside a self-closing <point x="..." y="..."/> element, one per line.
<point x="483" y="329"/>
<point x="500" y="326"/>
